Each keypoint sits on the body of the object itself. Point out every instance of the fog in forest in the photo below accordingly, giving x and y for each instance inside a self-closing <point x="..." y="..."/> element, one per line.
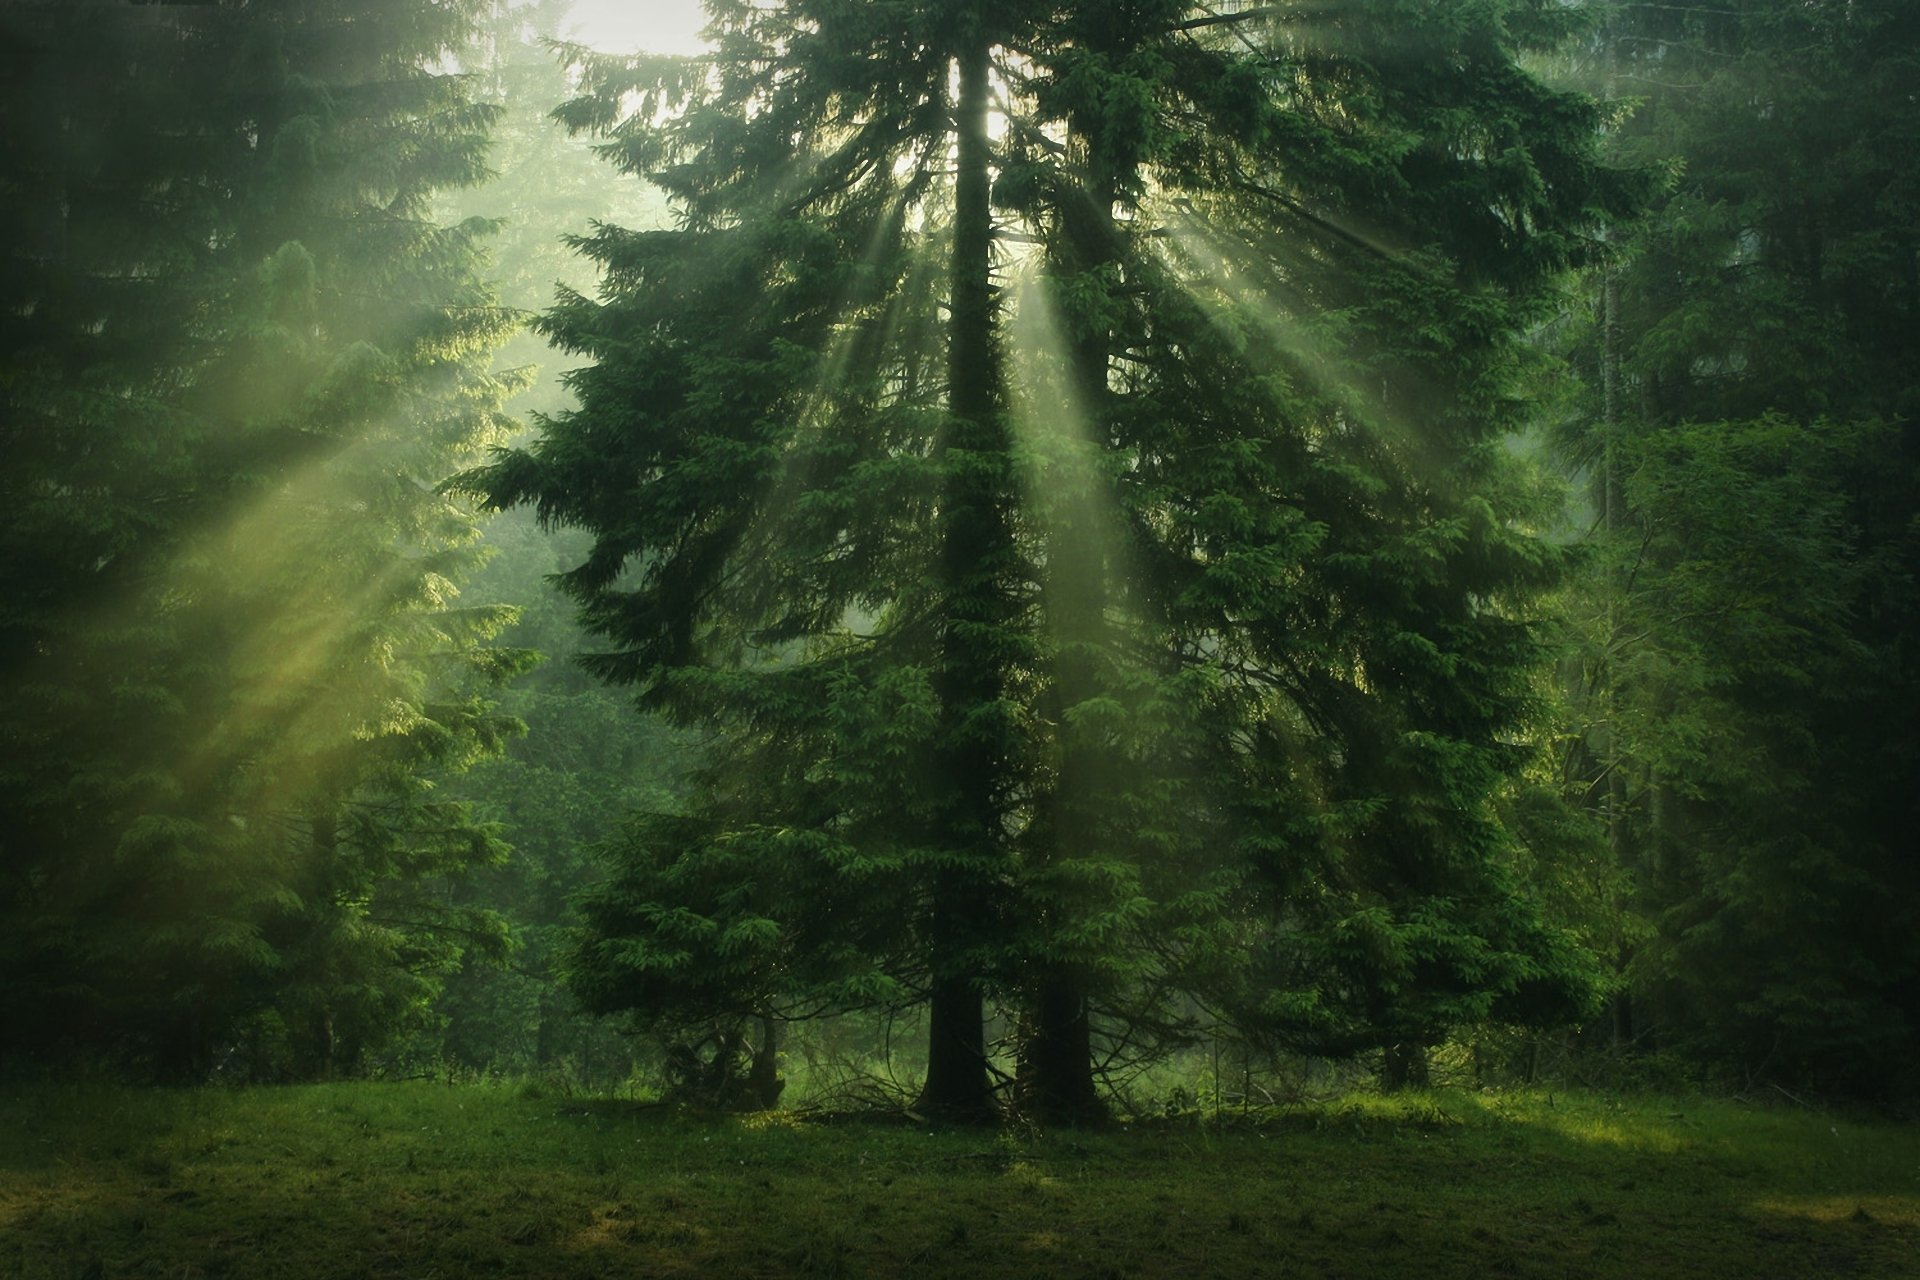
<point x="1126" y="568"/>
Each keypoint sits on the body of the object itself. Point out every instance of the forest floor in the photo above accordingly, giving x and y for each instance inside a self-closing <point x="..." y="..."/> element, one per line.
<point x="423" y="1180"/>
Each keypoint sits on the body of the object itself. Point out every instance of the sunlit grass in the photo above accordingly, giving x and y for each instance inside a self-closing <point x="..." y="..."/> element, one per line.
<point x="420" y="1179"/>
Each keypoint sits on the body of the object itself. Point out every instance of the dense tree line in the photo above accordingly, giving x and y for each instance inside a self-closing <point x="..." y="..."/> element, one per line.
<point x="240" y="358"/>
<point x="1038" y="483"/>
<point x="1744" y="725"/>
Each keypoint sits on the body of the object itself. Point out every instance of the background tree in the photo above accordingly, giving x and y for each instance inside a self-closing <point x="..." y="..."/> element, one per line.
<point x="239" y="359"/>
<point x="1753" y="448"/>
<point x="586" y="760"/>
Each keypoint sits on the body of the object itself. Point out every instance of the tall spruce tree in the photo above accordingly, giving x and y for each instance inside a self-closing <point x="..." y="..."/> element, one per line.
<point x="1061" y="445"/>
<point x="789" y="381"/>
<point x="239" y="359"/>
<point x="1363" y="214"/>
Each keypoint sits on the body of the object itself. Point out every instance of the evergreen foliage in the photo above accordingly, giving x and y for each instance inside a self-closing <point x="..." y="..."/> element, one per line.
<point x="239" y="359"/>
<point x="586" y="760"/>
<point x="1055" y="466"/>
<point x="1750" y="747"/>
<point x="1135" y="617"/>
<point x="558" y="792"/>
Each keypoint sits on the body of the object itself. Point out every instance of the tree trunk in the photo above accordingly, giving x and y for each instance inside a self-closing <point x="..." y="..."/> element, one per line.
<point x="1057" y="1084"/>
<point x="1612" y="514"/>
<point x="324" y="842"/>
<point x="956" y="1086"/>
<point x="1404" y="1066"/>
<point x="1057" y="1070"/>
<point x="1623" y="1016"/>
<point x="976" y="549"/>
<point x="764" y="1082"/>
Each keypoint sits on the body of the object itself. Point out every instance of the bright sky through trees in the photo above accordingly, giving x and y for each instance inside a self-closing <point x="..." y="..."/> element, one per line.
<point x="621" y="26"/>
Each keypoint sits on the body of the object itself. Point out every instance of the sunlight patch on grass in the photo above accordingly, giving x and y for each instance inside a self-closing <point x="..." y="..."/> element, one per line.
<point x="1035" y="1181"/>
<point x="1617" y="1132"/>
<point x="29" y="1207"/>
<point x="762" y="1121"/>
<point x="1649" y="1126"/>
<point x="1886" y="1210"/>
<point x="1043" y="1241"/>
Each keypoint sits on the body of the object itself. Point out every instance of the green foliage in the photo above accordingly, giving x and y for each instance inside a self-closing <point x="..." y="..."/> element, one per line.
<point x="1749" y="689"/>
<point x="1144" y="614"/>
<point x="239" y="359"/>
<point x="1748" y="684"/>
<point x="558" y="792"/>
<point x="586" y="759"/>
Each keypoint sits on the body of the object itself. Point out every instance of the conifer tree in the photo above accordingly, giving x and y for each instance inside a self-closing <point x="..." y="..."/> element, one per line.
<point x="786" y="272"/>
<point x="239" y="360"/>
<point x="1751" y="433"/>
<point x="1139" y="614"/>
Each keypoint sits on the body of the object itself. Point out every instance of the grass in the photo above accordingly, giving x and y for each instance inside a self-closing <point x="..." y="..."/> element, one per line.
<point x="422" y="1180"/>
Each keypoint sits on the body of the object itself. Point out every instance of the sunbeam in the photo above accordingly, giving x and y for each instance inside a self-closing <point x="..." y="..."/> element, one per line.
<point x="1064" y="466"/>
<point x="1311" y="337"/>
<point x="868" y="374"/>
<point x="315" y="626"/>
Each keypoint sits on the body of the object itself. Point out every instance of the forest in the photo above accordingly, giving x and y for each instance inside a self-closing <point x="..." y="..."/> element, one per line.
<point x="1338" y="572"/>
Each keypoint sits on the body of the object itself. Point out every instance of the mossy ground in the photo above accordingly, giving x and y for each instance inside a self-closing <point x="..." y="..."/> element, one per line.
<point x="423" y="1180"/>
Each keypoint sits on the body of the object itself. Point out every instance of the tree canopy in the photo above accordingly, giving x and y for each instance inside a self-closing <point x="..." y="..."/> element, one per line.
<point x="1380" y="532"/>
<point x="1063" y="446"/>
